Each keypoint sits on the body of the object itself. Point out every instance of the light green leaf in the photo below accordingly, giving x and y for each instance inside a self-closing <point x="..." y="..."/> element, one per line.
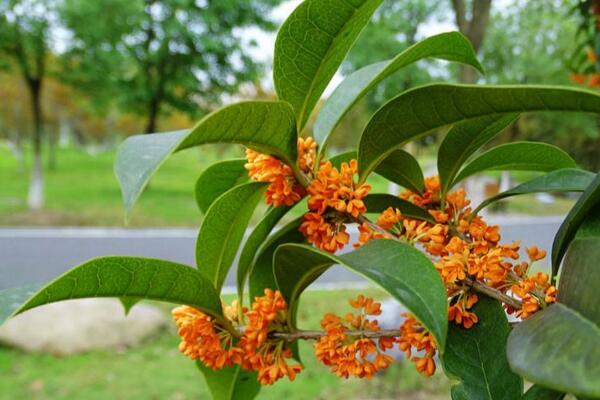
<point x="417" y="112"/>
<point x="559" y="181"/>
<point x="518" y="156"/>
<point x="261" y="272"/>
<point x="476" y="357"/>
<point x="12" y="298"/>
<point x="537" y="392"/>
<point x="400" y="269"/>
<point x="131" y="277"/>
<point x="266" y="126"/>
<point x="557" y="348"/>
<point x="451" y="46"/>
<point x="311" y="45"/>
<point x="464" y="139"/>
<point x="402" y="168"/>
<point x="260" y="232"/>
<point x="379" y="202"/>
<point x="223" y="229"/>
<point x="217" y="179"/>
<point x="230" y="383"/>
<point x="586" y="203"/>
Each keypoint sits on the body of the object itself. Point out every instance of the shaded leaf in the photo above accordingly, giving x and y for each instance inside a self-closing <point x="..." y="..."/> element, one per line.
<point x="402" y="168"/>
<point x="561" y="180"/>
<point x="260" y="232"/>
<point x="266" y="126"/>
<point x="311" y="45"/>
<point x="451" y="46"/>
<point x="230" y="383"/>
<point x="518" y="156"/>
<point x="223" y="229"/>
<point x="217" y="179"/>
<point x="476" y="357"/>
<point x="145" y="278"/>
<point x="379" y="202"/>
<point x="400" y="269"/>
<point x="537" y="392"/>
<point x="261" y="272"/>
<point x="588" y="200"/>
<point x="417" y="112"/>
<point x="464" y="139"/>
<point x="559" y="349"/>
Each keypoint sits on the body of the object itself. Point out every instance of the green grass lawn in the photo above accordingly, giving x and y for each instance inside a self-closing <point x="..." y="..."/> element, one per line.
<point x="157" y="370"/>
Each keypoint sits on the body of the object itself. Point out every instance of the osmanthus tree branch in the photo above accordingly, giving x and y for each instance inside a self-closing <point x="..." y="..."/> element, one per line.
<point x="314" y="335"/>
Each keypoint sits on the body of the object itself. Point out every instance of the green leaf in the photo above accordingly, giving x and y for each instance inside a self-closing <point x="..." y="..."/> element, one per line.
<point x="260" y="232"/>
<point x="518" y="156"/>
<point x="230" y="383"/>
<point x="476" y="357"/>
<point x="417" y="112"/>
<point x="588" y="201"/>
<point x="128" y="302"/>
<point x="464" y="139"/>
<point x="217" y="179"/>
<point x="223" y="229"/>
<point x="400" y="269"/>
<point x="537" y="392"/>
<point x="11" y="299"/>
<point x="451" y="46"/>
<point x="131" y="277"/>
<point x="261" y="271"/>
<point x="266" y="126"/>
<point x="402" y="168"/>
<point x="559" y="181"/>
<point x="339" y="159"/>
<point x="379" y="202"/>
<point x="311" y="45"/>
<point x="559" y="349"/>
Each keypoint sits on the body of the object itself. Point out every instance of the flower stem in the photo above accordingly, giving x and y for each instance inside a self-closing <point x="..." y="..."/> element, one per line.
<point x="314" y="335"/>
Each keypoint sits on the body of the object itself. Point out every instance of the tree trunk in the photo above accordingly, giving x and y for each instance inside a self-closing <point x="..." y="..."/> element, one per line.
<point x="473" y="28"/>
<point x="52" y="144"/>
<point x="35" y="198"/>
<point x="152" y="116"/>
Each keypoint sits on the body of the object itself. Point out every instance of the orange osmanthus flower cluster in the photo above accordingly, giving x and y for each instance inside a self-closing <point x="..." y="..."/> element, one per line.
<point x="205" y="338"/>
<point x="415" y="337"/>
<point x="333" y="198"/>
<point x="592" y="80"/>
<point x="354" y="356"/>
<point x="284" y="188"/>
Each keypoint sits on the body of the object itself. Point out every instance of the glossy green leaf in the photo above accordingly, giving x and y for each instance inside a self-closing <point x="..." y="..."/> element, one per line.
<point x="402" y="168"/>
<point x="464" y="139"/>
<point x="537" y="392"/>
<point x="417" y="112"/>
<point x="266" y="126"/>
<point x="451" y="46"/>
<point x="230" y="383"/>
<point x="518" y="156"/>
<point x="588" y="201"/>
<point x="12" y="298"/>
<point x="217" y="179"/>
<point x="559" y="181"/>
<point x="223" y="229"/>
<point x="131" y="277"/>
<point x="379" y="202"/>
<point x="260" y="232"/>
<point x="476" y="357"/>
<point x="128" y="302"/>
<point x="311" y="45"/>
<point x="557" y="348"/>
<point x="400" y="269"/>
<point x="261" y="272"/>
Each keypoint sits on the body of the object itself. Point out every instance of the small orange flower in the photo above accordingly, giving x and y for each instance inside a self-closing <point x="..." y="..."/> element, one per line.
<point x="458" y="313"/>
<point x="414" y="336"/>
<point x="535" y="254"/>
<point x="367" y="234"/>
<point x="578" y="78"/>
<point x="389" y="218"/>
<point x="325" y="235"/>
<point x="307" y="153"/>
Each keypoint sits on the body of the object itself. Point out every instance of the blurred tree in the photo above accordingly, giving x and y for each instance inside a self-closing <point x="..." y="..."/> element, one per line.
<point x="162" y="55"/>
<point x="24" y="39"/>
<point x="471" y="19"/>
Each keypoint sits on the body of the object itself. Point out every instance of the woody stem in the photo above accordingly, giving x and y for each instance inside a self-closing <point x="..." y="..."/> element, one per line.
<point x="313" y="335"/>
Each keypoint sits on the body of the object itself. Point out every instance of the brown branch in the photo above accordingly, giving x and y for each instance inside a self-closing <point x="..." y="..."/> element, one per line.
<point x="493" y="293"/>
<point x="314" y="335"/>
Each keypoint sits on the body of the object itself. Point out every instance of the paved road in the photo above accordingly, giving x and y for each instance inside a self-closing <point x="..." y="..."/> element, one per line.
<point x="37" y="255"/>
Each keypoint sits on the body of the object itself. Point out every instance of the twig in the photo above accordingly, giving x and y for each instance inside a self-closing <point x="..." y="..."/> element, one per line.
<point x="314" y="335"/>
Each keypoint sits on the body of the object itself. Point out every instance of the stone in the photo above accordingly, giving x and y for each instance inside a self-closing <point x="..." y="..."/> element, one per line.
<point x="77" y="326"/>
